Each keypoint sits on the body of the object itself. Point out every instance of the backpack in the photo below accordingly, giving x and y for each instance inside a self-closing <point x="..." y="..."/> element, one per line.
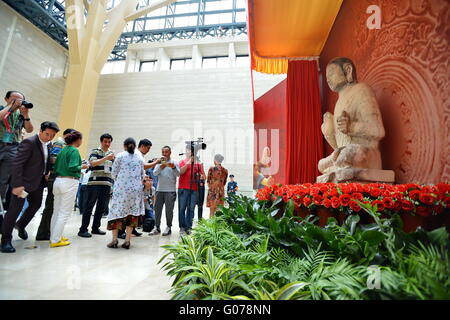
<point x="148" y="224"/>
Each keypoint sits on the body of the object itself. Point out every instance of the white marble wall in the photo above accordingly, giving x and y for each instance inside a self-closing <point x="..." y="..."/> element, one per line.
<point x="169" y="107"/>
<point x="32" y="63"/>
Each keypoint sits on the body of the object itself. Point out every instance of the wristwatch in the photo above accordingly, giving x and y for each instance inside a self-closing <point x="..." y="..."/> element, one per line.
<point x="26" y="119"/>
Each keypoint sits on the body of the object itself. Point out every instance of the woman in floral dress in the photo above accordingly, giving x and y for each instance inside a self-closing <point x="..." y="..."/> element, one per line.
<point x="217" y="178"/>
<point x="127" y="203"/>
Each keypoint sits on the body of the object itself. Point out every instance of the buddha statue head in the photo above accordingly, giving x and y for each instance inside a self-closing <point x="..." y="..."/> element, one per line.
<point x="340" y="73"/>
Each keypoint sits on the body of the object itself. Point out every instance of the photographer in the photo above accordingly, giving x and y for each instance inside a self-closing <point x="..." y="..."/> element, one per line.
<point x="99" y="186"/>
<point x="167" y="172"/>
<point x="13" y="117"/>
<point x="188" y="190"/>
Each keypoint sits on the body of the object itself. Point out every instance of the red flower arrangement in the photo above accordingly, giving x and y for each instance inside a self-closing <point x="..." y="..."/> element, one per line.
<point x="406" y="198"/>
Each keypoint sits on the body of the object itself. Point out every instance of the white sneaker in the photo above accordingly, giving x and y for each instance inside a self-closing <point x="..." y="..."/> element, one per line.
<point x="167" y="232"/>
<point x="154" y="232"/>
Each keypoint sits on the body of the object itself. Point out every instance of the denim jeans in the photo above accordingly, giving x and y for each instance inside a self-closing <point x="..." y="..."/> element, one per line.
<point x="187" y="199"/>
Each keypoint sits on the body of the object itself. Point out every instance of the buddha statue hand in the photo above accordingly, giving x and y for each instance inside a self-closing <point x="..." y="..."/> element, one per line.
<point x="343" y="122"/>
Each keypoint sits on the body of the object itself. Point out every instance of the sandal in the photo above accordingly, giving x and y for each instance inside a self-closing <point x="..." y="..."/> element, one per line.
<point x="126" y="245"/>
<point x="113" y="244"/>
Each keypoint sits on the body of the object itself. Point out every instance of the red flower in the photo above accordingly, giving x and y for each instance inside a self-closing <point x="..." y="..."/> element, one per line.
<point x="447" y="202"/>
<point x="355" y="206"/>
<point x="317" y="200"/>
<point x="307" y="201"/>
<point x="423" y="211"/>
<point x="357" y="196"/>
<point x="427" y="198"/>
<point x="334" y="192"/>
<point x="397" y="205"/>
<point x="385" y="193"/>
<point x="407" y="205"/>
<point x="345" y="200"/>
<point x="314" y="191"/>
<point x="414" y="194"/>
<point x="327" y="203"/>
<point x="375" y="192"/>
<point x="379" y="204"/>
<point x="388" y="203"/>
<point x="345" y="188"/>
<point x="335" y="203"/>
<point x="443" y="187"/>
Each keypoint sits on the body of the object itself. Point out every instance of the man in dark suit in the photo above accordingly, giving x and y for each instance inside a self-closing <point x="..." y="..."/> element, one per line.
<point x="28" y="172"/>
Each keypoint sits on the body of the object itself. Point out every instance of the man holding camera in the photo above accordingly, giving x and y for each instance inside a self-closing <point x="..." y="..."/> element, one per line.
<point x="190" y="173"/>
<point x="13" y="117"/>
<point x="167" y="171"/>
<point x="98" y="186"/>
<point x="28" y="179"/>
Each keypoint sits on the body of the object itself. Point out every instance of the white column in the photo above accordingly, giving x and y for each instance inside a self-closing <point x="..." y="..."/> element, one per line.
<point x="163" y="60"/>
<point x="196" y="57"/>
<point x="232" y="54"/>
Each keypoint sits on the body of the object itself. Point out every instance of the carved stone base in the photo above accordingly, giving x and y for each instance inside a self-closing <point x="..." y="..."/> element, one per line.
<point x="358" y="175"/>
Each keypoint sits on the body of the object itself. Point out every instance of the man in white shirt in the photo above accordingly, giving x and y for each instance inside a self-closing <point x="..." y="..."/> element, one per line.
<point x="144" y="147"/>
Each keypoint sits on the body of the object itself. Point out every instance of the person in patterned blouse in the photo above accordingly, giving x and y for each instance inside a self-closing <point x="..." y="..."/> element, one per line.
<point x="217" y="178"/>
<point x="127" y="204"/>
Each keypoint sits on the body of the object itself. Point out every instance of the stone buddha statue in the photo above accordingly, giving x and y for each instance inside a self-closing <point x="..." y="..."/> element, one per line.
<point x="354" y="131"/>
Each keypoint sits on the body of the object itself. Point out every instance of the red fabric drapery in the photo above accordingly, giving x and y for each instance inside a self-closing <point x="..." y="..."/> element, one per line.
<point x="304" y="146"/>
<point x="270" y="122"/>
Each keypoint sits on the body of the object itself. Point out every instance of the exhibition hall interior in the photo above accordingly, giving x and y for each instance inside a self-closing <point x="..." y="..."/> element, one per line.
<point x="225" y="150"/>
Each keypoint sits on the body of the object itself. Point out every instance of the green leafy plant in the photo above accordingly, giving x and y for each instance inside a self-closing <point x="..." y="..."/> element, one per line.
<point x="259" y="250"/>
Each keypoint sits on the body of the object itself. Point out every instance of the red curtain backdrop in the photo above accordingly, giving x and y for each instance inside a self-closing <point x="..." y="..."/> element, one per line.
<point x="304" y="147"/>
<point x="270" y="114"/>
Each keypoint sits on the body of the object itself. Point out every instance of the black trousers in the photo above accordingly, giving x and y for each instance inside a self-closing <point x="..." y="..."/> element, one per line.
<point x="44" y="227"/>
<point x="201" y="200"/>
<point x="15" y="207"/>
<point x="7" y="155"/>
<point x="83" y="198"/>
<point x="96" y="194"/>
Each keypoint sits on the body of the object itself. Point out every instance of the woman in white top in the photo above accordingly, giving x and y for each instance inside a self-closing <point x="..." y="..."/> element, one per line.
<point x="127" y="203"/>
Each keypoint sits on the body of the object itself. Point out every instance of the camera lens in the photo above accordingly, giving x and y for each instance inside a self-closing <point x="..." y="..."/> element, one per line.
<point x="27" y="104"/>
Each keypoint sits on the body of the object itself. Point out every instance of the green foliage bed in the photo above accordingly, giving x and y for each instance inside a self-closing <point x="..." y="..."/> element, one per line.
<point x="246" y="252"/>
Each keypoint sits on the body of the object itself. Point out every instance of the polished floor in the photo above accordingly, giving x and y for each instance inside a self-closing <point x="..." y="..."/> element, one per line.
<point x="86" y="269"/>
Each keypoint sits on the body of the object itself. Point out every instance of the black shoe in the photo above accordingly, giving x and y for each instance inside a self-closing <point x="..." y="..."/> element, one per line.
<point x="22" y="233"/>
<point x="7" y="247"/>
<point x="98" y="231"/>
<point x="42" y="238"/>
<point x="84" y="234"/>
<point x="122" y="236"/>
<point x="137" y="234"/>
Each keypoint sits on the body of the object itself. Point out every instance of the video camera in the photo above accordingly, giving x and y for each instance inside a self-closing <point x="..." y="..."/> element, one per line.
<point x="195" y="146"/>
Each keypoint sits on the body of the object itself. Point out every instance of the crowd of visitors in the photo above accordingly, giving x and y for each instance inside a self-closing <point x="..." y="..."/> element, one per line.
<point x="138" y="191"/>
